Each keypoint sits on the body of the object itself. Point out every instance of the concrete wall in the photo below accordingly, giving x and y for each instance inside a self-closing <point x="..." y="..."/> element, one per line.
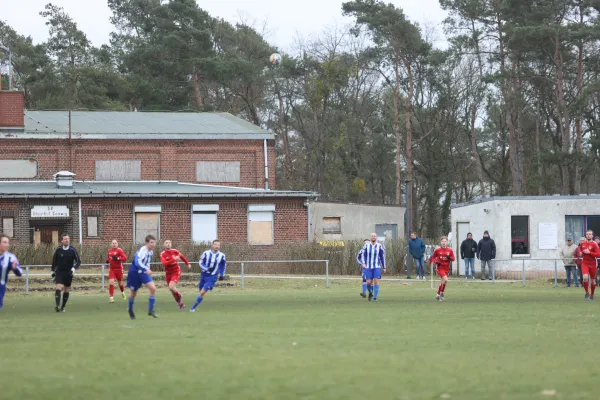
<point x="495" y="216"/>
<point x="357" y="220"/>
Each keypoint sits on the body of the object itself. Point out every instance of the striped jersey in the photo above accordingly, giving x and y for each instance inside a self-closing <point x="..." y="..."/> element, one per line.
<point x="373" y="256"/>
<point x="213" y="263"/>
<point x="8" y="261"/>
<point x="141" y="260"/>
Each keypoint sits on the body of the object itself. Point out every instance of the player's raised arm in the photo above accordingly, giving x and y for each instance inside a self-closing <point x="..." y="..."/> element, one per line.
<point x="182" y="258"/>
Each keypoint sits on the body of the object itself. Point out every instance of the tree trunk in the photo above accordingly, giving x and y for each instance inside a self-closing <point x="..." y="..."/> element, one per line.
<point x="538" y="156"/>
<point x="408" y="145"/>
<point x="475" y="151"/>
<point x="579" y="137"/>
<point x="563" y="117"/>
<point x="513" y="142"/>
<point x="284" y="137"/>
<point x="197" y="91"/>
<point x="397" y="133"/>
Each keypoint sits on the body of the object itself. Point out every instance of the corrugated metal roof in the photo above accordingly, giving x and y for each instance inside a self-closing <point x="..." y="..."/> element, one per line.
<point x="138" y="125"/>
<point x="531" y="198"/>
<point x="32" y="189"/>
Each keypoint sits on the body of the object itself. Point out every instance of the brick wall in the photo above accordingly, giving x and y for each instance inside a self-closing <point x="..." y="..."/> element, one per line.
<point x="11" y="109"/>
<point x="161" y="159"/>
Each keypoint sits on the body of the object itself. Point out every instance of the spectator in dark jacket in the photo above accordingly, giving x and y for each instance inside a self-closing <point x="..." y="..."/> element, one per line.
<point x="416" y="248"/>
<point x="468" y="248"/>
<point x="486" y="252"/>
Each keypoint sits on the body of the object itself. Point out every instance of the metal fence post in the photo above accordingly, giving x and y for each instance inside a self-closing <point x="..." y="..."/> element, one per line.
<point x="103" y="277"/>
<point x="326" y="273"/>
<point x="523" y="273"/>
<point x="27" y="279"/>
<point x="555" y="273"/>
<point x="242" y="272"/>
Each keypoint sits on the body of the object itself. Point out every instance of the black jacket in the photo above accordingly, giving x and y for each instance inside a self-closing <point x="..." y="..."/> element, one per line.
<point x="486" y="249"/>
<point x="468" y="248"/>
<point x="65" y="259"/>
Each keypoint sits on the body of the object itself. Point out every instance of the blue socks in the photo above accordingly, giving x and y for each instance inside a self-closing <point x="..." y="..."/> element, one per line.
<point x="364" y="287"/>
<point x="197" y="302"/>
<point x="130" y="301"/>
<point x="370" y="287"/>
<point x="376" y="291"/>
<point x="151" y="301"/>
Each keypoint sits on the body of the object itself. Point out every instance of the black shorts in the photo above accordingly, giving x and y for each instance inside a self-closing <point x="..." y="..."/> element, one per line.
<point x="64" y="278"/>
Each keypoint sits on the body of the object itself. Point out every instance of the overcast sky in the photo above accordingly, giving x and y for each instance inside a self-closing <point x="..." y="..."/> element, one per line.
<point x="286" y="20"/>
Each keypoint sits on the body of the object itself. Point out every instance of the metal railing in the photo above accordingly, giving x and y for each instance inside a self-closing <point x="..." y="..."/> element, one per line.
<point x="243" y="265"/>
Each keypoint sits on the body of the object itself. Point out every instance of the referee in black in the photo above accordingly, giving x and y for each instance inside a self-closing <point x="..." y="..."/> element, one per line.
<point x="64" y="263"/>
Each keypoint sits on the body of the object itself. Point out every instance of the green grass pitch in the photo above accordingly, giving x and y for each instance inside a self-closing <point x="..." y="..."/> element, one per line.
<point x="291" y="340"/>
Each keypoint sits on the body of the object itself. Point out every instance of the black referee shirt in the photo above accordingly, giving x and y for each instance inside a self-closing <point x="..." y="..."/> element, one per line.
<point x="64" y="259"/>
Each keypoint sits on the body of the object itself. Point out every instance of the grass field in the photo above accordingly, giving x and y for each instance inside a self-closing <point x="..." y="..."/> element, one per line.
<point x="292" y="340"/>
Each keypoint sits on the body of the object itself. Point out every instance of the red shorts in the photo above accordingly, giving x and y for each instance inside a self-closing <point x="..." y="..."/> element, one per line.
<point x="443" y="271"/>
<point x="115" y="274"/>
<point x="173" y="276"/>
<point x="589" y="270"/>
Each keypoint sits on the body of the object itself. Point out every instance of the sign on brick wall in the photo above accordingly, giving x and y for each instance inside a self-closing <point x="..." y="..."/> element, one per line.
<point x="49" y="212"/>
<point x="14" y="169"/>
<point x="218" y="172"/>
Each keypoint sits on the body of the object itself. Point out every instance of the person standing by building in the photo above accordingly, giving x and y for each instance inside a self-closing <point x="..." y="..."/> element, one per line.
<point x="416" y="248"/>
<point x="140" y="275"/>
<point x="486" y="253"/>
<point x="170" y="259"/>
<point x="442" y="257"/>
<point x="568" y="254"/>
<point x="373" y="262"/>
<point x="579" y="260"/>
<point x="468" y="249"/>
<point x="116" y="258"/>
<point x="363" y="293"/>
<point x="64" y="264"/>
<point x="589" y="267"/>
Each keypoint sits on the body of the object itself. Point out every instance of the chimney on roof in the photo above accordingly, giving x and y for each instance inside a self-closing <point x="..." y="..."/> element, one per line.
<point x="12" y="109"/>
<point x="64" y="179"/>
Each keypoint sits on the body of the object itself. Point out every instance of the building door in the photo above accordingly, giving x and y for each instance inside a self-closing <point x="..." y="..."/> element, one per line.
<point x="49" y="235"/>
<point x="386" y="231"/>
<point x="593" y="223"/>
<point x="462" y="229"/>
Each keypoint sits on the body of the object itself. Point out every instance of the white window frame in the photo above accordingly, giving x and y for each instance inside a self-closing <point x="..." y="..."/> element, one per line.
<point x="261" y="208"/>
<point x="87" y="221"/>
<point x="203" y="209"/>
<point x="13" y="227"/>
<point x="146" y="209"/>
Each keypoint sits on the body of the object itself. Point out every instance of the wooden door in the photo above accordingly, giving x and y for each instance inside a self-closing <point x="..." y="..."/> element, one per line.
<point x="50" y="235"/>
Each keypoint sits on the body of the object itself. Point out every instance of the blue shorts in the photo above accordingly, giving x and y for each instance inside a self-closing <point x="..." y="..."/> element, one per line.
<point x="207" y="282"/>
<point x="364" y="274"/>
<point x="135" y="279"/>
<point x="371" y="274"/>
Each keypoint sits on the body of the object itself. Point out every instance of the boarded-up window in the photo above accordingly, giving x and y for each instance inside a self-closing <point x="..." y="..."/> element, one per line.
<point x="260" y="227"/>
<point x="23" y="169"/>
<point x="8" y="227"/>
<point x="92" y="226"/>
<point x="118" y="170"/>
<point x="146" y="224"/>
<point x="332" y="225"/>
<point x="209" y="171"/>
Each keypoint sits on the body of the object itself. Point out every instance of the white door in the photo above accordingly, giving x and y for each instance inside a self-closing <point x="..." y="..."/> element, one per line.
<point x="204" y="227"/>
<point x="462" y="228"/>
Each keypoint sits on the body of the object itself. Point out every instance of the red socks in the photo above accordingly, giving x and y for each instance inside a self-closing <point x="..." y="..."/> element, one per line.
<point x="122" y="287"/>
<point x="441" y="288"/>
<point x="585" y="286"/>
<point x="593" y="287"/>
<point x="177" y="297"/>
<point x="111" y="290"/>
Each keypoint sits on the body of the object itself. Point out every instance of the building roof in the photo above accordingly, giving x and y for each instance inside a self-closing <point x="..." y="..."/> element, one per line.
<point x="530" y="198"/>
<point x="136" y="125"/>
<point x="163" y="189"/>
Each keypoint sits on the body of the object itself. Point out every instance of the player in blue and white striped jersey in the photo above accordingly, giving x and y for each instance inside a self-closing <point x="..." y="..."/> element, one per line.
<point x="213" y="265"/>
<point x="140" y="274"/>
<point x="8" y="262"/>
<point x="363" y="293"/>
<point x="373" y="261"/>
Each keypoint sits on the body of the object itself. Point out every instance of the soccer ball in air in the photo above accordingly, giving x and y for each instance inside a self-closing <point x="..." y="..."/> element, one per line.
<point x="275" y="59"/>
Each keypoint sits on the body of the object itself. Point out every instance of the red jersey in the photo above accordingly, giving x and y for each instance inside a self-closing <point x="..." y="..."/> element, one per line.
<point x="443" y="257"/>
<point x="589" y="260"/>
<point x="167" y="257"/>
<point x="119" y="254"/>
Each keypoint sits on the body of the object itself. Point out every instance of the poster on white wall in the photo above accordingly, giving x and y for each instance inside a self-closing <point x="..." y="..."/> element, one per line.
<point x="548" y="236"/>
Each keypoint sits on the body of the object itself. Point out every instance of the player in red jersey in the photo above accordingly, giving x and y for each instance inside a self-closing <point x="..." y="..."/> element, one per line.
<point x="590" y="250"/>
<point x="170" y="258"/>
<point x="442" y="257"/>
<point x="115" y="260"/>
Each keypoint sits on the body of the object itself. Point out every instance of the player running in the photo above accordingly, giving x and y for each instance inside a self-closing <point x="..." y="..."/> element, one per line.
<point x="442" y="257"/>
<point x="589" y="268"/>
<point x="140" y="274"/>
<point x="373" y="261"/>
<point x="364" y="276"/>
<point x="170" y="260"/>
<point x="8" y="262"/>
<point x="64" y="263"/>
<point x="115" y="260"/>
<point x="213" y="265"/>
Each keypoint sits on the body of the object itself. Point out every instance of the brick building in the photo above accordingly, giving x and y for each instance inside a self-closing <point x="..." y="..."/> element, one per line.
<point x="189" y="177"/>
